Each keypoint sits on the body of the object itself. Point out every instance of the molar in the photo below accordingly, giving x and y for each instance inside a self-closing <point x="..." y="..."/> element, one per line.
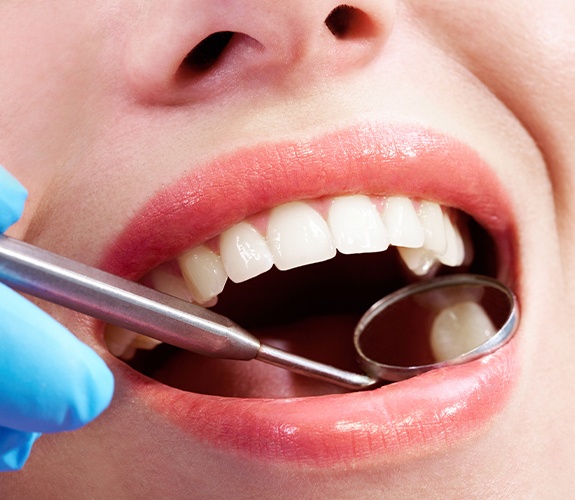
<point x="356" y="226"/>
<point x="244" y="252"/>
<point x="298" y="235"/>
<point x="124" y="343"/>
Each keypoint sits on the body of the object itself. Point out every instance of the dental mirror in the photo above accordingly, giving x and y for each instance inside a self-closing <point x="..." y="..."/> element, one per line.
<point x="440" y="322"/>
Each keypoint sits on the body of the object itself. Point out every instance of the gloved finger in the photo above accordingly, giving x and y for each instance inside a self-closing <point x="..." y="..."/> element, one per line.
<point x="49" y="380"/>
<point x="15" y="448"/>
<point x="12" y="198"/>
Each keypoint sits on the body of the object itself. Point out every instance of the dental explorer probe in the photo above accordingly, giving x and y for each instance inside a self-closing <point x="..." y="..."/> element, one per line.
<point x="128" y="304"/>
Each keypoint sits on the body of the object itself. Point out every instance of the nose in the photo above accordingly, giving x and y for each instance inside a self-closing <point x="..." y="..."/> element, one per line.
<point x="188" y="49"/>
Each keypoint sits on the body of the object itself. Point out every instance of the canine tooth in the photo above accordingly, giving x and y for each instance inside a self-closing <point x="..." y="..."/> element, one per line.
<point x="203" y="273"/>
<point x="458" y="329"/>
<point x="298" y="235"/>
<point x="431" y="219"/>
<point x="119" y="341"/>
<point x="402" y="223"/>
<point x="455" y="251"/>
<point x="244" y="252"/>
<point x="167" y="282"/>
<point x="356" y="226"/>
<point x="420" y="261"/>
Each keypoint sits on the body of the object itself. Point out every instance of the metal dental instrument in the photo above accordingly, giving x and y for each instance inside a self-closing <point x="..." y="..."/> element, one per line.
<point x="88" y="290"/>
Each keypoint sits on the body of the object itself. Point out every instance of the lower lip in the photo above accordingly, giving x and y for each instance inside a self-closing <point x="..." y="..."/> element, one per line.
<point x="427" y="413"/>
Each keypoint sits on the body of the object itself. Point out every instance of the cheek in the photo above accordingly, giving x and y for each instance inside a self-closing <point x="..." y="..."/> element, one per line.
<point x="46" y="83"/>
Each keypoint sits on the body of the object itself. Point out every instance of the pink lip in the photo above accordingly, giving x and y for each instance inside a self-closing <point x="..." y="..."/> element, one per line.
<point x="429" y="411"/>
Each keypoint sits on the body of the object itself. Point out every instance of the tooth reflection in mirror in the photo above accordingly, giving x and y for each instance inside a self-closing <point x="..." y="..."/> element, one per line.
<point x="436" y="323"/>
<point x="458" y="329"/>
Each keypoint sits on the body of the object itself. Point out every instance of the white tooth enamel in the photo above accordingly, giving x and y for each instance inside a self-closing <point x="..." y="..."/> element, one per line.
<point x="402" y="222"/>
<point x="203" y="273"/>
<point x="119" y="340"/>
<point x="244" y="252"/>
<point x="431" y="219"/>
<point x="455" y="251"/>
<point x="458" y="329"/>
<point x="356" y="226"/>
<point x="419" y="261"/>
<point x="167" y="282"/>
<point x="298" y="235"/>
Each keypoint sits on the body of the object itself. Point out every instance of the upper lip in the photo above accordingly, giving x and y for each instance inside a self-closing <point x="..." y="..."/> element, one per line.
<point x="368" y="158"/>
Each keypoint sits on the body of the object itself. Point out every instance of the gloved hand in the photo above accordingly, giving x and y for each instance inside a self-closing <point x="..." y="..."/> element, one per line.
<point x="49" y="380"/>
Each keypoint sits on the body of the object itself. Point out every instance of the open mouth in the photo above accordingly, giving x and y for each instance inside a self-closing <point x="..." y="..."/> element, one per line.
<point x="311" y="309"/>
<point x="299" y="276"/>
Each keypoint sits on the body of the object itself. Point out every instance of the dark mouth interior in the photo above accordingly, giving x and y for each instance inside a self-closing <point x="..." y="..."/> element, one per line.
<point x="310" y="311"/>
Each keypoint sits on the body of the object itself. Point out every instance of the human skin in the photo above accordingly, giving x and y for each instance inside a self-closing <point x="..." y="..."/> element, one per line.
<point x="97" y="116"/>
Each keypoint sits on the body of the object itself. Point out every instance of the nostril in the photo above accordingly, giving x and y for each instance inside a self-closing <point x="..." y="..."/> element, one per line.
<point x="206" y="53"/>
<point x="347" y="22"/>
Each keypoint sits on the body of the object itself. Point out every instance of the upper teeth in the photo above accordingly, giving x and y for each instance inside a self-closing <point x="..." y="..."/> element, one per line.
<point x="298" y="233"/>
<point x="301" y="233"/>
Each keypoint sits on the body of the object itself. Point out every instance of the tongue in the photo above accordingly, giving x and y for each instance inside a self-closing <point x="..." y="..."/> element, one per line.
<point x="326" y="339"/>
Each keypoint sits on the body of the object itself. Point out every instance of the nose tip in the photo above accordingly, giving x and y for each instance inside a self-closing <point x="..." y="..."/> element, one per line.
<point x="174" y="57"/>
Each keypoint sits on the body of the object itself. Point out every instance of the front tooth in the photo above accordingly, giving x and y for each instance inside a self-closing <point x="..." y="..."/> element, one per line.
<point x="244" y="252"/>
<point x="420" y="261"/>
<point x="203" y="273"/>
<point x="402" y="223"/>
<point x="356" y="226"/>
<point x="458" y="329"/>
<point x="455" y="250"/>
<point x="298" y="235"/>
<point x="431" y="219"/>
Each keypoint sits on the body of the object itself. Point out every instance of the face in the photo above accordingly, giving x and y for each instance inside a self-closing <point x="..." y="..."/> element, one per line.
<point x="158" y="140"/>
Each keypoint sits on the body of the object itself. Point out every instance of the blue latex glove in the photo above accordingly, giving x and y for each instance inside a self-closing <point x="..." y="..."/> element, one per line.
<point x="49" y="380"/>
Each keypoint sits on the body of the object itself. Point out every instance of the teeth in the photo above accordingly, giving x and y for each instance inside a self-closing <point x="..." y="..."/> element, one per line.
<point x="298" y="235"/>
<point x="203" y="273"/>
<point x="356" y="226"/>
<point x="420" y="261"/>
<point x="402" y="223"/>
<point x="123" y="343"/>
<point x="431" y="219"/>
<point x="245" y="253"/>
<point x="455" y="252"/>
<point x="118" y="339"/>
<point x="458" y="329"/>
<point x="166" y="281"/>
